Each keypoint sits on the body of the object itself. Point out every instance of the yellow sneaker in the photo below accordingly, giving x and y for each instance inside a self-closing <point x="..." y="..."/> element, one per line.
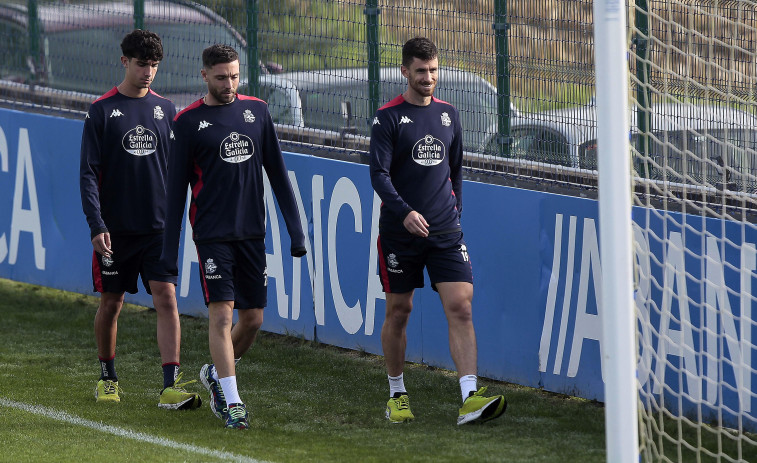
<point x="478" y="408"/>
<point x="107" y="391"/>
<point x="177" y="398"/>
<point x="398" y="409"/>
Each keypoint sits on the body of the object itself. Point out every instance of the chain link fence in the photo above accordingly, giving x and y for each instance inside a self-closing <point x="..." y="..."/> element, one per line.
<point x="521" y="73"/>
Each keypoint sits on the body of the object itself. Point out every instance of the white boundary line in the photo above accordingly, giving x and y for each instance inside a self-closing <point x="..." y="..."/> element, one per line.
<point x="122" y="432"/>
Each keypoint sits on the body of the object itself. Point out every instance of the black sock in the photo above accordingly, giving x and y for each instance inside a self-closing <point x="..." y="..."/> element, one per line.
<point x="108" y="368"/>
<point x="170" y="371"/>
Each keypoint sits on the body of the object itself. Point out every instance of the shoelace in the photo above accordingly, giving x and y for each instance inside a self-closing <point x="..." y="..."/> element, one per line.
<point x="481" y="391"/>
<point x="180" y="386"/>
<point x="111" y="387"/>
<point x="220" y="393"/>
<point x="236" y="412"/>
<point x="403" y="402"/>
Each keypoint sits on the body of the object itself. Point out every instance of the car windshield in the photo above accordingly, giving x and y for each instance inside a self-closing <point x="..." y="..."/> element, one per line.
<point x="688" y="156"/>
<point x="88" y="60"/>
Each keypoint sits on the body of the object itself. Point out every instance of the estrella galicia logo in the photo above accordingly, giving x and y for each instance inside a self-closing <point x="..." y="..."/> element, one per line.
<point x="140" y="141"/>
<point x="236" y="148"/>
<point x="210" y="266"/>
<point x="429" y="151"/>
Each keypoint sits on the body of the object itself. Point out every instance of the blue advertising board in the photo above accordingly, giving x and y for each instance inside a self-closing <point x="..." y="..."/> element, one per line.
<point x="536" y="264"/>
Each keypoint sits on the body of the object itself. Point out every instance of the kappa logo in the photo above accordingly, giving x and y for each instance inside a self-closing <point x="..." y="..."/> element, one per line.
<point x="464" y="253"/>
<point x="158" y="113"/>
<point x="116" y="113"/>
<point x="376" y="121"/>
<point x="204" y="125"/>
<point x="405" y="120"/>
<point x="171" y="136"/>
<point x="446" y="121"/>
<point x="248" y="116"/>
<point x="265" y="276"/>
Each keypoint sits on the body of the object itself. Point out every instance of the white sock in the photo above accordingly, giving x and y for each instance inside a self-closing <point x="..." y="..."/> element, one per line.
<point x="396" y="384"/>
<point x="467" y="385"/>
<point x="229" y="388"/>
<point x="214" y="373"/>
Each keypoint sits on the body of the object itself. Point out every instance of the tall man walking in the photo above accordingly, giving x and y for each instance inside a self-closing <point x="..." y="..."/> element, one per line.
<point x="124" y="153"/>
<point x="223" y="142"/>
<point x="416" y="169"/>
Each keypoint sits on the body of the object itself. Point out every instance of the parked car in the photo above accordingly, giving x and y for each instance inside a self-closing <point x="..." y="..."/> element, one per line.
<point x="79" y="45"/>
<point x="690" y="143"/>
<point x="336" y="100"/>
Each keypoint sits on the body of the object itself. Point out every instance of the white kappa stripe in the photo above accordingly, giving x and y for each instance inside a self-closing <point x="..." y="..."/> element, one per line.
<point x="122" y="432"/>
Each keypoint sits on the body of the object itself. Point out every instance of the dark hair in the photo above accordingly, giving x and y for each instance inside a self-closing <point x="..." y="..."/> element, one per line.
<point x="143" y="45"/>
<point x="419" y="47"/>
<point x="218" y="54"/>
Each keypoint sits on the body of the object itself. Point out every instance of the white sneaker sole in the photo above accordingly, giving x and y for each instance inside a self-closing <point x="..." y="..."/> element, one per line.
<point x="206" y="384"/>
<point x="475" y="416"/>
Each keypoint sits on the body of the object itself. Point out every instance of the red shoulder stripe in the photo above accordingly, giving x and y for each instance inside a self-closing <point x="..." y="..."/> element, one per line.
<point x="192" y="106"/>
<point x="396" y="101"/>
<point x="110" y="93"/>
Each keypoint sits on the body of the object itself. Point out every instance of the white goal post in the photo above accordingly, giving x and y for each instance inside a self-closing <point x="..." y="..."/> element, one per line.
<point x="676" y="85"/>
<point x="619" y="318"/>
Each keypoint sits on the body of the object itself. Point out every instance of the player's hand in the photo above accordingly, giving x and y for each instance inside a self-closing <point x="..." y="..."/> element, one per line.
<point x="299" y="252"/>
<point x="101" y="244"/>
<point x="416" y="224"/>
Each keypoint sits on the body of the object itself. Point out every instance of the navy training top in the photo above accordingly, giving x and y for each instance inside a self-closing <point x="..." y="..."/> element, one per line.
<point x="220" y="152"/>
<point x="124" y="155"/>
<point x="416" y="165"/>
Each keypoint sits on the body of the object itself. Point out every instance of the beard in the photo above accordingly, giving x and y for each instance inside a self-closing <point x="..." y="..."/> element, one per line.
<point x="222" y="95"/>
<point x="423" y="90"/>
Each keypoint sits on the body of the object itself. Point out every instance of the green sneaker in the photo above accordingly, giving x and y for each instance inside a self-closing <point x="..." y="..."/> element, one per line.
<point x="107" y="391"/>
<point x="398" y="409"/>
<point x="177" y="398"/>
<point x="236" y="417"/>
<point x="478" y="408"/>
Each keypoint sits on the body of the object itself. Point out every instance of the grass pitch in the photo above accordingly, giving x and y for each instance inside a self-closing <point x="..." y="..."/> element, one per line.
<point x="308" y="402"/>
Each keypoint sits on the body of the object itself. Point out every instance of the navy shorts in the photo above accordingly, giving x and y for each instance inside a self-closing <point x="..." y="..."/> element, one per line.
<point x="402" y="259"/>
<point x="133" y="256"/>
<point x="234" y="271"/>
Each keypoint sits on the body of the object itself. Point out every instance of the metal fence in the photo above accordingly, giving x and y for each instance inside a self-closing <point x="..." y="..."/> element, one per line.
<point x="521" y="73"/>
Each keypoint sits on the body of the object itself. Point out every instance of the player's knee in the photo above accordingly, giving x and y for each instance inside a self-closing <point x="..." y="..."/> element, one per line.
<point x="399" y="314"/>
<point x="251" y="320"/>
<point x="111" y="303"/>
<point x="461" y="311"/>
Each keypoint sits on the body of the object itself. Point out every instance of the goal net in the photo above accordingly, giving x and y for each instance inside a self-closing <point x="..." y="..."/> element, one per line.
<point x="693" y="68"/>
